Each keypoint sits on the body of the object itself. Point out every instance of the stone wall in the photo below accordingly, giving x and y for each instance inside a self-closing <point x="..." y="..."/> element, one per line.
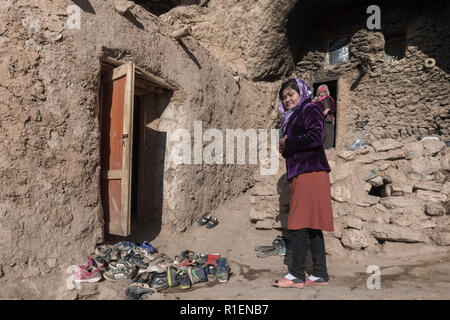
<point x="396" y="99"/>
<point x="388" y="191"/>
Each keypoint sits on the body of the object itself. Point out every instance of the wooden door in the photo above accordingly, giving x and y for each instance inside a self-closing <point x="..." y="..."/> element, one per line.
<point x="116" y="122"/>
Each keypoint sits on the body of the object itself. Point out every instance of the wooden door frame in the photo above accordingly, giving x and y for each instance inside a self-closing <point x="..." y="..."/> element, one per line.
<point x="138" y="82"/>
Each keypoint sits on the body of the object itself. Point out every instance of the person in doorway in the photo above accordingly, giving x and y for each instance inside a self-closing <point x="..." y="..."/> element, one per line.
<point x="309" y="183"/>
<point x="329" y="111"/>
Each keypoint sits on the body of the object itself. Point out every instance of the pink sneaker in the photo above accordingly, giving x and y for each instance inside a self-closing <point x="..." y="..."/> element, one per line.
<point x="86" y="275"/>
<point x="89" y="272"/>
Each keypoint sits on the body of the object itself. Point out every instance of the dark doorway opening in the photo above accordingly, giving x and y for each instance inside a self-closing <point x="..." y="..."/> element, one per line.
<point x="330" y="125"/>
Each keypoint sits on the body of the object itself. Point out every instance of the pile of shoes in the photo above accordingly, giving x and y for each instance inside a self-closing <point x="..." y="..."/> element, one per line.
<point x="185" y="270"/>
<point x="149" y="270"/>
<point x="278" y="248"/>
<point x="119" y="261"/>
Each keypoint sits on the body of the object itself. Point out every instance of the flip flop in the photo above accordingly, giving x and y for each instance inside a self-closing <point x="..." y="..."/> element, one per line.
<point x="286" y="283"/>
<point x="212" y="223"/>
<point x="205" y="219"/>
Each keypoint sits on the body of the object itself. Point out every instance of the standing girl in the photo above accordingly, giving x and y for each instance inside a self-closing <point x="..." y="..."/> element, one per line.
<point x="307" y="172"/>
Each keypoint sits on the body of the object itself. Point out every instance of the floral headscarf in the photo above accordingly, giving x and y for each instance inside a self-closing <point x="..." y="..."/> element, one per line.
<point x="323" y="87"/>
<point x="305" y="94"/>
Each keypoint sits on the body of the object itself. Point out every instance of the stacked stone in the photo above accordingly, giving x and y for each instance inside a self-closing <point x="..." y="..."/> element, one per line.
<point x="388" y="192"/>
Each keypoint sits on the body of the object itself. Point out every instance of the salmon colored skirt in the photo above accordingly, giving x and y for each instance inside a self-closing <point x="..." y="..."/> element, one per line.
<point x="310" y="198"/>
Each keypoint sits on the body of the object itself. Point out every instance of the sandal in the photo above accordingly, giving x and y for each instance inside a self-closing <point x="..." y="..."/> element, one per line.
<point x="136" y="259"/>
<point x="118" y="274"/>
<point x="125" y="264"/>
<point x="203" y="220"/>
<point x="286" y="283"/>
<point x="139" y="291"/>
<point x="212" y="223"/>
<point x="159" y="282"/>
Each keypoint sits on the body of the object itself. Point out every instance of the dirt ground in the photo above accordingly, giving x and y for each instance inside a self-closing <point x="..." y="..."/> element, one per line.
<point x="409" y="277"/>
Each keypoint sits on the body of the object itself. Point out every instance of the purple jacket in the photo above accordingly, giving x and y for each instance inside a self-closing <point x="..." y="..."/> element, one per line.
<point x="303" y="149"/>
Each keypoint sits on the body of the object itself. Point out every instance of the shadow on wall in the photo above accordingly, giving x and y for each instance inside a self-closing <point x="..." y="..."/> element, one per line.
<point x="151" y="182"/>
<point x="283" y="192"/>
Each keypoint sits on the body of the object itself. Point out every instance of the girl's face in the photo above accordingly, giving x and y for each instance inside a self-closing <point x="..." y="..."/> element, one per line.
<point x="322" y="92"/>
<point x="290" y="98"/>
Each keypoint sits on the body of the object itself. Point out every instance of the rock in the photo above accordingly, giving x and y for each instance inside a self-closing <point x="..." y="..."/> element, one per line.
<point x="446" y="188"/>
<point x="428" y="185"/>
<point x="431" y="196"/>
<point x="353" y="222"/>
<point x="441" y="238"/>
<point x="123" y="6"/>
<point x="400" y="189"/>
<point x="365" y="200"/>
<point x="380" y="208"/>
<point x="399" y="250"/>
<point x="401" y="202"/>
<point x="434" y="209"/>
<point x="341" y="171"/>
<point x="52" y="262"/>
<point x="357" y="239"/>
<point x="390" y="155"/>
<point x="334" y="247"/>
<point x="372" y="216"/>
<point x="339" y="226"/>
<point x="340" y="193"/>
<point x="1" y="271"/>
<point x="397" y="233"/>
<point x="386" y="145"/>
<point x="384" y="166"/>
<point x="347" y="155"/>
<point x="371" y="175"/>
<point x="265" y="224"/>
<point x="427" y="224"/>
<point x="404" y="220"/>
<point x="413" y="150"/>
<point x="432" y="147"/>
<point x="377" y="181"/>
<point x="446" y="162"/>
<point x="264" y="207"/>
<point x="425" y="166"/>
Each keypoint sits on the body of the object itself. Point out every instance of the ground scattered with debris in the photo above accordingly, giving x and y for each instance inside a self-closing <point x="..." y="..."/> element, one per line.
<point x="409" y="276"/>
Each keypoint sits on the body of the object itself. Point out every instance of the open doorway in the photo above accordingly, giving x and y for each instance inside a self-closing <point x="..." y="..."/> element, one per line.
<point x="131" y="151"/>
<point x="330" y="127"/>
